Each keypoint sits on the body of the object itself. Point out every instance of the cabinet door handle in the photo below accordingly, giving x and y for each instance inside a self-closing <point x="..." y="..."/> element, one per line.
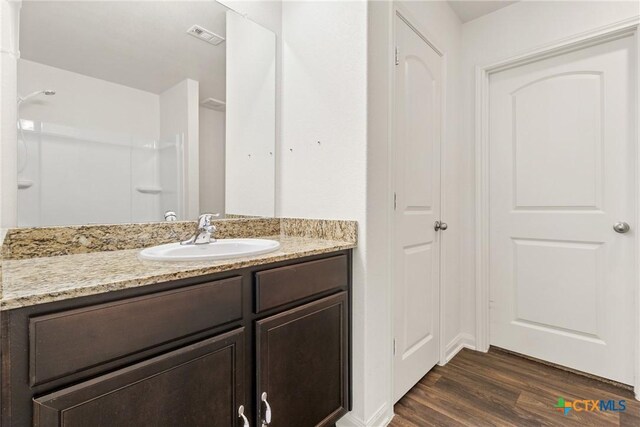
<point x="266" y="419"/>
<point x="245" y="421"/>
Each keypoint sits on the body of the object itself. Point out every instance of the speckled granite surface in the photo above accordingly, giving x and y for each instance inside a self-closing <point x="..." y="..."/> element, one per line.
<point x="234" y="216"/>
<point x="22" y="243"/>
<point x="39" y="280"/>
<point x="29" y="281"/>
<point x="320" y="228"/>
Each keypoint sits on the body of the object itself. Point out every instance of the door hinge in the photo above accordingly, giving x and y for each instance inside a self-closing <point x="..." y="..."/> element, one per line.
<point x="397" y="57"/>
<point x="394" y="346"/>
<point x="395" y="201"/>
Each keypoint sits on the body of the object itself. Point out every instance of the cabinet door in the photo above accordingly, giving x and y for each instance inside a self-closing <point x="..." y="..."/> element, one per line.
<point x="303" y="366"/>
<point x="197" y="385"/>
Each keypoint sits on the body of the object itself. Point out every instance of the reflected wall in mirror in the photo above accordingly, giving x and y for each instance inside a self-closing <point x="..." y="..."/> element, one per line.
<point x="123" y="109"/>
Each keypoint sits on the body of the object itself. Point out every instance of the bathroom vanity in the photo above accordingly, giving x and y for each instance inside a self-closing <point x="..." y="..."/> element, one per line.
<point x="262" y="340"/>
<point x="95" y="334"/>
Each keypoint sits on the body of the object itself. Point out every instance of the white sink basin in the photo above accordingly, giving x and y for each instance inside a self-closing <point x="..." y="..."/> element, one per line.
<point x="220" y="249"/>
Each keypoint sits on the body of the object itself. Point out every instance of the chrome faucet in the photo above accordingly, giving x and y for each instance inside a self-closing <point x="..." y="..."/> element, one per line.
<point x="204" y="231"/>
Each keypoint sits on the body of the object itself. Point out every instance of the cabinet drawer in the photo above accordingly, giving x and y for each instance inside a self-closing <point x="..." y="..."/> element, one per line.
<point x="71" y="341"/>
<point x="197" y="385"/>
<point x="282" y="285"/>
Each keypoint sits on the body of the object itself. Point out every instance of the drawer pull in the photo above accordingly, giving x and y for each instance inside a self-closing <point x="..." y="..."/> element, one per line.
<point x="266" y="419"/>
<point x="245" y="421"/>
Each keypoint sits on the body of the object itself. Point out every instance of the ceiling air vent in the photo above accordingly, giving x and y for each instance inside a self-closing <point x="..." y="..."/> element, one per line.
<point x="205" y="35"/>
<point x="213" y="104"/>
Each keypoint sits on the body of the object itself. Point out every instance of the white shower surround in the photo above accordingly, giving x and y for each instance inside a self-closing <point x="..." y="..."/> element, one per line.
<point x="100" y="152"/>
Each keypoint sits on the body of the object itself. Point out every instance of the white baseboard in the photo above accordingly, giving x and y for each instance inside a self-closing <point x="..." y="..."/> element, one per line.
<point x="381" y="418"/>
<point x="350" y="420"/>
<point x="462" y="340"/>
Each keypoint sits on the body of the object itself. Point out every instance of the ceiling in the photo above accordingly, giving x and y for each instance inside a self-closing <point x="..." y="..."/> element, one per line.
<point x="144" y="44"/>
<point x="139" y="44"/>
<point x="469" y="10"/>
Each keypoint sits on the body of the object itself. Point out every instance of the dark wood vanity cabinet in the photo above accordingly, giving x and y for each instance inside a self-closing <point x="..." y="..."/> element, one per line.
<point x="302" y="363"/>
<point x="197" y="385"/>
<point x="273" y="338"/>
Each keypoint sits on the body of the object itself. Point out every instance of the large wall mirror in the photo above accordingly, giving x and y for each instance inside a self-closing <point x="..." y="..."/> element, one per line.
<point x="128" y="110"/>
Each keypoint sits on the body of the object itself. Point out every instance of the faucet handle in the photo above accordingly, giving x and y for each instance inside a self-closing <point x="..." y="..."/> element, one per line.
<point x="205" y="219"/>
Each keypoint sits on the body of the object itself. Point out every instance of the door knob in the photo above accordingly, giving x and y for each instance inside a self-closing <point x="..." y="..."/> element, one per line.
<point x="621" y="227"/>
<point x="440" y="226"/>
<point x="245" y="421"/>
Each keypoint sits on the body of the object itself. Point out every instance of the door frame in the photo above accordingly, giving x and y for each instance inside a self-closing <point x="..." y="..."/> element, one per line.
<point x="627" y="27"/>
<point x="400" y="11"/>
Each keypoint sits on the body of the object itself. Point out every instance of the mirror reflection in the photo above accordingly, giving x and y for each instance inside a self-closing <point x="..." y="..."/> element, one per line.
<point x="132" y="111"/>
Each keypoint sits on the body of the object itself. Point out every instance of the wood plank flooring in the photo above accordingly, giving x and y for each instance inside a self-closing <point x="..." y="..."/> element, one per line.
<point x="501" y="389"/>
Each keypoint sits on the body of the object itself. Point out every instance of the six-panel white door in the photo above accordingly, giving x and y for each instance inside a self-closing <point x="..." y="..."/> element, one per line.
<point x="416" y="249"/>
<point x="562" y="165"/>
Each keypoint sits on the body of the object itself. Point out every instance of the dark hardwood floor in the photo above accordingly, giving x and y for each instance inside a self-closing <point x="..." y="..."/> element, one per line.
<point x="501" y="389"/>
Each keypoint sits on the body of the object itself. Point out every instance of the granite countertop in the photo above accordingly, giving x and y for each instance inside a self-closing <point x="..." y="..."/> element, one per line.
<point x="32" y="281"/>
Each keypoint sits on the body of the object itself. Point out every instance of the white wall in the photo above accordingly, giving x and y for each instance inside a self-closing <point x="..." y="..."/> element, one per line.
<point x="515" y="29"/>
<point x="211" y="161"/>
<point x="377" y="299"/>
<point x="324" y="99"/>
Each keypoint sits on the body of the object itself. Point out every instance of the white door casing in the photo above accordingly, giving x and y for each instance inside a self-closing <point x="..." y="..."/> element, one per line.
<point x="562" y="168"/>
<point x="416" y="169"/>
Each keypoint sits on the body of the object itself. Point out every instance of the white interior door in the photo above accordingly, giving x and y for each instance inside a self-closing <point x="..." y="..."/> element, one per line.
<point x="562" y="174"/>
<point x="416" y="249"/>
